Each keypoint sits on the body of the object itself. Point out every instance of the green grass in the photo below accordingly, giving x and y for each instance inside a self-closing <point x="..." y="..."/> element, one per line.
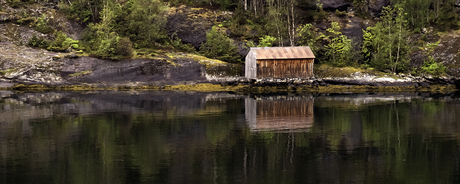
<point x="80" y="73"/>
<point x="3" y="72"/>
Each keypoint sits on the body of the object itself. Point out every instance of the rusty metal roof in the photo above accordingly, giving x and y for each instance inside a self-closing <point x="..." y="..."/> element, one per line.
<point x="283" y="52"/>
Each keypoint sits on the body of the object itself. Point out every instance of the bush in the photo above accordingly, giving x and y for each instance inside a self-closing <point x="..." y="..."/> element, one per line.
<point x="42" y="25"/>
<point x="176" y="42"/>
<point x="219" y="46"/>
<point x="266" y="41"/>
<point x="124" y="47"/>
<point x="79" y="11"/>
<point x="431" y="67"/>
<point x="115" y="47"/>
<point x="38" y="42"/>
<point x="340" y="13"/>
<point x="62" y="43"/>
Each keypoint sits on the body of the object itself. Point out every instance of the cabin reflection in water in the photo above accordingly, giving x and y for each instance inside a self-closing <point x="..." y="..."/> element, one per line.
<point x="280" y="114"/>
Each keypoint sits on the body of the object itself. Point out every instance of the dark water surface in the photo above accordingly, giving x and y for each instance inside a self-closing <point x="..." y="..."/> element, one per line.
<point x="185" y="137"/>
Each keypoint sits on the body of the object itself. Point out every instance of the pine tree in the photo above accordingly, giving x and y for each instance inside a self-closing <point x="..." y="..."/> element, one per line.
<point x="339" y="49"/>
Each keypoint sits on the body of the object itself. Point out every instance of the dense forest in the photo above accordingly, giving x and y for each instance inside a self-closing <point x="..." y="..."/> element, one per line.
<point x="116" y="28"/>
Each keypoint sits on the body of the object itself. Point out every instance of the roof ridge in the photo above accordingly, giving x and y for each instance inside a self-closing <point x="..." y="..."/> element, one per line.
<point x="299" y="52"/>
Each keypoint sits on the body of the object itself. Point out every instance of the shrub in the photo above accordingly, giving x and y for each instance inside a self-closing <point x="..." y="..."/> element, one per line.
<point x="340" y="13"/>
<point x="266" y="41"/>
<point x="42" y="25"/>
<point x="176" y="42"/>
<point x="431" y="67"/>
<point x="124" y="47"/>
<point x="219" y="46"/>
<point x="38" y="42"/>
<point x="62" y="42"/>
<point x="115" y="47"/>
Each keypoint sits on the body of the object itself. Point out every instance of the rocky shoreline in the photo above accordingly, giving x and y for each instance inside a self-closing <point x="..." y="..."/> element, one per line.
<point x="243" y="85"/>
<point x="43" y="70"/>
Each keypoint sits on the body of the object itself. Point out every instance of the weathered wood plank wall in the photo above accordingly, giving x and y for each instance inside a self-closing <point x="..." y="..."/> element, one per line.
<point x="250" y="66"/>
<point x="285" y="68"/>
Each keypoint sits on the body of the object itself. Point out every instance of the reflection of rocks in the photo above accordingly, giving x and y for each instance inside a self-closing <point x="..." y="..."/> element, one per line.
<point x="279" y="114"/>
<point x="28" y="107"/>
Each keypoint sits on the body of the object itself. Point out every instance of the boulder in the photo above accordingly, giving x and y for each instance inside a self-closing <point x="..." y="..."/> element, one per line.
<point x="342" y="5"/>
<point x="186" y="30"/>
<point x="376" y="6"/>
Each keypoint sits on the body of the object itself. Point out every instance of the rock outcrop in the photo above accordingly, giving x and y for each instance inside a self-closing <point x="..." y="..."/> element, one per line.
<point x="376" y="6"/>
<point x="192" y="24"/>
<point x="336" y="4"/>
<point x="447" y="52"/>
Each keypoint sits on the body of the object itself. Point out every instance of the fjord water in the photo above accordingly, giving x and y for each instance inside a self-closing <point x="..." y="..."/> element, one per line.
<point x="189" y="137"/>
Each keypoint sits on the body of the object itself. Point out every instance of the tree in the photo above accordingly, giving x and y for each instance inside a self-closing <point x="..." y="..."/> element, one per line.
<point x="219" y="46"/>
<point x="146" y="22"/>
<point x="385" y="46"/>
<point x="339" y="50"/>
<point x="308" y="36"/>
<point x="103" y="40"/>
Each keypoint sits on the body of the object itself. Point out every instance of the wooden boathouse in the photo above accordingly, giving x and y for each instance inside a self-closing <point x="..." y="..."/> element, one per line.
<point x="279" y="62"/>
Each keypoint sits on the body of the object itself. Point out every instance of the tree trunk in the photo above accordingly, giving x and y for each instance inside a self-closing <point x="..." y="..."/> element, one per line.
<point x="399" y="46"/>
<point x="389" y="40"/>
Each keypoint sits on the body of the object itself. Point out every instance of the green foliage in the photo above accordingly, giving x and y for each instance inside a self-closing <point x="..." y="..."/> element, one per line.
<point x="14" y="3"/>
<point x="423" y="13"/>
<point x="38" y="42"/>
<point x="242" y="23"/>
<point x="339" y="50"/>
<point x="176" y="42"/>
<point x="431" y="67"/>
<point x="101" y="39"/>
<point x="27" y="20"/>
<point x="429" y="48"/>
<point x="249" y="44"/>
<point x="62" y="43"/>
<point x="360" y="7"/>
<point x="340" y="13"/>
<point x="42" y="25"/>
<point x="82" y="10"/>
<point x="81" y="73"/>
<point x="145" y="21"/>
<point x="367" y="47"/>
<point x="308" y="36"/>
<point x="448" y="17"/>
<point x="385" y="46"/>
<point x="115" y="47"/>
<point x="266" y="41"/>
<point x="219" y="46"/>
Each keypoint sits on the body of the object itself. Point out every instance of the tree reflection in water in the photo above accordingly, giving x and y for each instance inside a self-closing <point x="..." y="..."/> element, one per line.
<point x="182" y="137"/>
